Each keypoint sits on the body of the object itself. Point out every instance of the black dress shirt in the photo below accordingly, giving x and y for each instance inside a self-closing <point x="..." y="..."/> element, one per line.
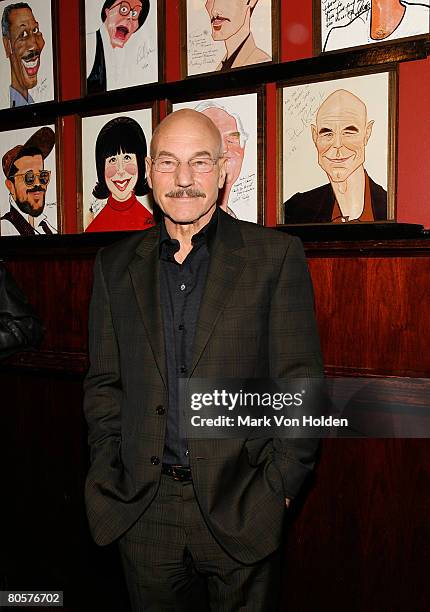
<point x="181" y="291"/>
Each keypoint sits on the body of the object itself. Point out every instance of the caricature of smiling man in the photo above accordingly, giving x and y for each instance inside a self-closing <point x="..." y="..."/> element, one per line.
<point x="23" y="43"/>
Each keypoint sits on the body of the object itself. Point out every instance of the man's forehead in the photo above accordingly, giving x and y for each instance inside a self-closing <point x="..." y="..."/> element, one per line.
<point x="21" y="17"/>
<point x="341" y="115"/>
<point x="29" y="161"/>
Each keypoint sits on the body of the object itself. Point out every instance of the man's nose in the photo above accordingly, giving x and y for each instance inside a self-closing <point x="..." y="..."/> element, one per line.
<point x="337" y="140"/>
<point x="184" y="176"/>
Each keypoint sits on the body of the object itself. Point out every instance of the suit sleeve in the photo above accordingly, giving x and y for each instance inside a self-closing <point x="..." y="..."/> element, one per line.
<point x="295" y="353"/>
<point x="102" y="386"/>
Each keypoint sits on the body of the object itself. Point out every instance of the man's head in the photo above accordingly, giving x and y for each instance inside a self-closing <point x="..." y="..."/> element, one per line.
<point x="228" y="17"/>
<point x="184" y="143"/>
<point x="233" y="136"/>
<point x="26" y="178"/>
<point x="341" y="134"/>
<point x="23" y="43"/>
<point x="123" y="19"/>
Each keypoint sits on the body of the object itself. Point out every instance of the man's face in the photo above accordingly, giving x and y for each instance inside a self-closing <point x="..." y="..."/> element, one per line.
<point x="228" y="16"/>
<point x="340" y="136"/>
<point x="183" y="195"/>
<point x="121" y="21"/>
<point x="232" y="150"/>
<point x="121" y="174"/>
<point x="30" y="200"/>
<point x="23" y="47"/>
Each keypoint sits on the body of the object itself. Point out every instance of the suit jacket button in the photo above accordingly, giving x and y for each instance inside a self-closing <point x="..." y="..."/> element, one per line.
<point x="155" y="460"/>
<point x="160" y="410"/>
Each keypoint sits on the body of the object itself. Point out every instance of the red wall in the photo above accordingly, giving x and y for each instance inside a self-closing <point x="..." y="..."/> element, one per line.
<point x="296" y="43"/>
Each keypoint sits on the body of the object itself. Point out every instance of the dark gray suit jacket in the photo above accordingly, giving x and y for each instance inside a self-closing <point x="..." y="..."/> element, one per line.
<point x="256" y="320"/>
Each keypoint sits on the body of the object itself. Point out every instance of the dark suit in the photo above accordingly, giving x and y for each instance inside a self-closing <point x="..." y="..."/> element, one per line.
<point x="316" y="205"/>
<point x="256" y="319"/>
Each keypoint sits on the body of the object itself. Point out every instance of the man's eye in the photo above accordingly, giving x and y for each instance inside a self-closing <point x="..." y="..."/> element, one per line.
<point x="123" y="10"/>
<point x="200" y="163"/>
<point x="166" y="163"/>
<point x="24" y="34"/>
<point x="36" y="30"/>
<point x="134" y="13"/>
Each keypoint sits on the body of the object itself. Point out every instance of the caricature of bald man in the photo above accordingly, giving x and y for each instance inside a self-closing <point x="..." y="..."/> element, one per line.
<point x="340" y="135"/>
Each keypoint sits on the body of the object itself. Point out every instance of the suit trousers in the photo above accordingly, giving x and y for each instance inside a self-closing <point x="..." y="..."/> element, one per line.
<point x="172" y="562"/>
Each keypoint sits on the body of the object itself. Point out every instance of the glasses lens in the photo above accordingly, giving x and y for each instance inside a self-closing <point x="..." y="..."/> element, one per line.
<point x="165" y="165"/>
<point x="44" y="177"/>
<point x="29" y="178"/>
<point x="124" y="9"/>
<point x="201" y="165"/>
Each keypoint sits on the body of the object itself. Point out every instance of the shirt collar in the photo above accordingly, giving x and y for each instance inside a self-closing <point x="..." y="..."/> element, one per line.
<point x="38" y="220"/>
<point x="17" y="99"/>
<point x="205" y="236"/>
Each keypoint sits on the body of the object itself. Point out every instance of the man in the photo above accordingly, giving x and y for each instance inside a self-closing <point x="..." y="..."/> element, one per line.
<point x="27" y="182"/>
<point x="23" y="43"/>
<point x="199" y="295"/>
<point x="385" y="20"/>
<point x="231" y="22"/>
<point x="234" y="140"/>
<point x="105" y="52"/>
<point x="340" y="135"/>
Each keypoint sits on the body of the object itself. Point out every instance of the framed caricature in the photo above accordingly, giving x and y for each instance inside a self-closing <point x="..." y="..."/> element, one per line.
<point x="220" y="36"/>
<point x="342" y="24"/>
<point x="122" y="46"/>
<point x="27" y="73"/>
<point x="239" y="119"/>
<point x="338" y="149"/>
<point x="115" y="192"/>
<point x="29" y="189"/>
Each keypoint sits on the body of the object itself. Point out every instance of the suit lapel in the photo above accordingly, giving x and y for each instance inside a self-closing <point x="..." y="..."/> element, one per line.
<point x="145" y="275"/>
<point x="226" y="266"/>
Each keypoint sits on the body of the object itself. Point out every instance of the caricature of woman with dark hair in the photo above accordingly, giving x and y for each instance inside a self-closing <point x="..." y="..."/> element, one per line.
<point x="120" y="162"/>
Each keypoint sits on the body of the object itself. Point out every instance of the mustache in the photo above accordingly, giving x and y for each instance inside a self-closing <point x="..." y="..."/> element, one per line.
<point x="189" y="193"/>
<point x="36" y="188"/>
<point x="31" y="55"/>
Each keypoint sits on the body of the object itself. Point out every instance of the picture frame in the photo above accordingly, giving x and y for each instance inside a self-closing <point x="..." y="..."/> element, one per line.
<point x="240" y="118"/>
<point x="340" y="24"/>
<point x="121" y="51"/>
<point x="345" y="124"/>
<point x="31" y="207"/>
<point x="28" y="57"/>
<point x="123" y="195"/>
<point x="205" y="43"/>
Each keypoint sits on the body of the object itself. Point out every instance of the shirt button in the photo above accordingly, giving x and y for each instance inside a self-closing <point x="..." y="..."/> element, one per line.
<point x="155" y="460"/>
<point x="160" y="410"/>
<point x="187" y="452"/>
<point x="182" y="287"/>
<point x="181" y="327"/>
<point x="183" y="369"/>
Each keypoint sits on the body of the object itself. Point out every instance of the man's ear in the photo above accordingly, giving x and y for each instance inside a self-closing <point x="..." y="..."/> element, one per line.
<point x="148" y="166"/>
<point x="314" y="133"/>
<point x="369" y="127"/>
<point x="7" y="47"/>
<point x="10" y="186"/>
<point x="222" y="171"/>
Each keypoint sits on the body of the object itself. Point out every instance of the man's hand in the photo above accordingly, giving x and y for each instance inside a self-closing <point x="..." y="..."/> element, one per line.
<point x="287" y="501"/>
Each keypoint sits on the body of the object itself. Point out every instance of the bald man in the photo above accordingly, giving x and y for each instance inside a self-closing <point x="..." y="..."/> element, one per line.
<point x="198" y="522"/>
<point x="382" y="21"/>
<point x="340" y="135"/>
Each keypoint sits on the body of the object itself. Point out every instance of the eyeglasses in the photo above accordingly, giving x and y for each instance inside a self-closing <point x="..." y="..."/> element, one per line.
<point x="30" y="177"/>
<point x="198" y="165"/>
<point x="125" y="10"/>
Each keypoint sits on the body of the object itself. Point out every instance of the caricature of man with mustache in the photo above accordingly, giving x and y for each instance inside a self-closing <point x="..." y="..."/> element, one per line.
<point x="23" y="43"/>
<point x="231" y="22"/>
<point x="27" y="181"/>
